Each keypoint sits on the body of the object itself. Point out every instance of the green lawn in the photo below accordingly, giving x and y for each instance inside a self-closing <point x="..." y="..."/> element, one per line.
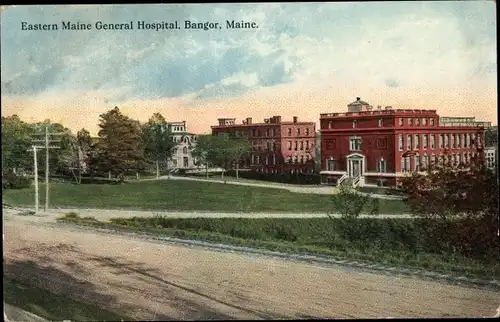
<point x="396" y="242"/>
<point x="177" y="195"/>
<point x="51" y="306"/>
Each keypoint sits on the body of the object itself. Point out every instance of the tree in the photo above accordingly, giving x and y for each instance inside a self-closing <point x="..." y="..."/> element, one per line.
<point x="350" y="203"/>
<point x="461" y="203"/>
<point x="235" y="148"/>
<point x="16" y="142"/>
<point x="120" y="145"/>
<point x="83" y="146"/>
<point x="158" y="140"/>
<point x="206" y="150"/>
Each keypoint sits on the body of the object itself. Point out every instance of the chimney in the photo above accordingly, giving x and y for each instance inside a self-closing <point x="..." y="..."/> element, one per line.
<point x="249" y="120"/>
<point x="278" y="119"/>
<point x="358" y="98"/>
<point x="295" y="118"/>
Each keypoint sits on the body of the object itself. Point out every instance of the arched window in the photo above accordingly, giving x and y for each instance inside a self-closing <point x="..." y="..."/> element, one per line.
<point x="185" y="150"/>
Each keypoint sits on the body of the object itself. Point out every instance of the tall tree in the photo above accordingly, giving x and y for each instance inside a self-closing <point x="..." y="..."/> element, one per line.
<point x="205" y="151"/>
<point x="235" y="148"/>
<point x="83" y="147"/>
<point x="158" y="140"/>
<point x="120" y="145"/>
<point x="16" y="142"/>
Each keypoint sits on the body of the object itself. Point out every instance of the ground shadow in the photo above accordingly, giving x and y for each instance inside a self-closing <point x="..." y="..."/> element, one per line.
<point x="71" y="280"/>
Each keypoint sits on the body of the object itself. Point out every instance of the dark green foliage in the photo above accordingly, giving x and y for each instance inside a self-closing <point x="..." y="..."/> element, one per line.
<point x="13" y="181"/>
<point x="288" y="178"/>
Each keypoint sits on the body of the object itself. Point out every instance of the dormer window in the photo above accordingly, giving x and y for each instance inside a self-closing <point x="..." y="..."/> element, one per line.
<point x="354" y="124"/>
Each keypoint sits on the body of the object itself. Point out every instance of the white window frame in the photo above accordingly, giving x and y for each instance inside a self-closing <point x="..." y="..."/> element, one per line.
<point x="432" y="139"/>
<point x="424" y="141"/>
<point x="381" y="166"/>
<point x="354" y="124"/>
<point x="380" y="122"/>
<point x="354" y="142"/>
<point x="400" y="142"/>
<point x="408" y="142"/>
<point x="416" y="142"/>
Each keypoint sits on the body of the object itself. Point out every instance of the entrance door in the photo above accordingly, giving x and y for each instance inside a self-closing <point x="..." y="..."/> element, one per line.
<point x="355" y="167"/>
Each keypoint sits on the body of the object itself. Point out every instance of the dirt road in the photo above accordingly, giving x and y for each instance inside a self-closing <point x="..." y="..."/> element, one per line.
<point x="157" y="281"/>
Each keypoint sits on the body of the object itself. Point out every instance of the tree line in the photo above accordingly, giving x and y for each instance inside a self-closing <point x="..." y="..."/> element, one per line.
<point x="123" y="145"/>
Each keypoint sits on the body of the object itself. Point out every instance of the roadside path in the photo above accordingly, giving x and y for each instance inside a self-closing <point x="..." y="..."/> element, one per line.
<point x="319" y="190"/>
<point x="105" y="214"/>
<point x="150" y="280"/>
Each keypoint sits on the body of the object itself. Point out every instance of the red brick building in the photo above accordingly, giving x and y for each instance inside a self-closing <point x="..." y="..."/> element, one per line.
<point x="278" y="146"/>
<point x="369" y="146"/>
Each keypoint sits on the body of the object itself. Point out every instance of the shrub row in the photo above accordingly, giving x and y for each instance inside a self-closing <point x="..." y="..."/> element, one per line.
<point x="290" y="178"/>
<point x="13" y="181"/>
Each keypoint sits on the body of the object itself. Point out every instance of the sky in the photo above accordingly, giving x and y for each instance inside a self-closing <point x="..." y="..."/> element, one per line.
<point x="303" y="59"/>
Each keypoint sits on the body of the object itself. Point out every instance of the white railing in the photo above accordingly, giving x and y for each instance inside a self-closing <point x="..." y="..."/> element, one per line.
<point x="355" y="182"/>
<point x="341" y="179"/>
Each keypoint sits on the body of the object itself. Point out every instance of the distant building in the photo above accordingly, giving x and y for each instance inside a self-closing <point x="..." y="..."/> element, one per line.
<point x="278" y="146"/>
<point x="369" y="146"/>
<point x="182" y="158"/>
<point x="490" y="157"/>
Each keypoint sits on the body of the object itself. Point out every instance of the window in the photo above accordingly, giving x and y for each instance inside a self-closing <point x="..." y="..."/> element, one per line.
<point x="267" y="132"/>
<point x="431" y="121"/>
<point x="307" y="131"/>
<point x="330" y="165"/>
<point x="400" y="142"/>
<point x="408" y="142"/>
<point x="302" y="159"/>
<point x="433" y="141"/>
<point x="174" y="162"/>
<point x="185" y="150"/>
<point x="410" y="121"/>
<point x="403" y="163"/>
<point x="382" y="166"/>
<point x="274" y="146"/>
<point x="408" y="164"/>
<point x="462" y="140"/>
<point x="457" y="141"/>
<point x="467" y="140"/>
<point x="289" y="131"/>
<point x="425" y="161"/>
<point x="441" y="140"/>
<point x="307" y="145"/>
<point x="401" y="122"/>
<point x="354" y="124"/>
<point x="355" y="143"/>
<point x="380" y="122"/>
<point x="289" y="145"/>
<point x="186" y="162"/>
<point x="424" y="141"/>
<point x="417" y="163"/>
<point x="330" y="124"/>
<point x="417" y="122"/>
<point x="296" y="145"/>
<point x="446" y="141"/>
<point x="301" y="145"/>
<point x="417" y="142"/>
<point x="424" y="121"/>
<point x="290" y="160"/>
<point x="298" y="131"/>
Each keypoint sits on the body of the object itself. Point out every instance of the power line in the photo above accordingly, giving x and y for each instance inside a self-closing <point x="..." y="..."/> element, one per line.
<point x="47" y="146"/>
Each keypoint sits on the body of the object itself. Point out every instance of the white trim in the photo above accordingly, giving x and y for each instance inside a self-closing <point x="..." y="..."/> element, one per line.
<point x="333" y="172"/>
<point x="355" y="154"/>
<point x="380" y="174"/>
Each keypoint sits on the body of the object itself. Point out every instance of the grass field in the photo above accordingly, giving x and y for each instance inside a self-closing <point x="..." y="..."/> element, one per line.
<point x="177" y="195"/>
<point x="51" y="306"/>
<point x="398" y="242"/>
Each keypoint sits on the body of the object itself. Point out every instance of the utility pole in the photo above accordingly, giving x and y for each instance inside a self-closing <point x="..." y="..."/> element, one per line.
<point x="47" y="141"/>
<point x="35" y="170"/>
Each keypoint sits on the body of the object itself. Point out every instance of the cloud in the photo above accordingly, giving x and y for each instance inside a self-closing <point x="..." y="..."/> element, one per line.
<point x="390" y="82"/>
<point x="308" y="44"/>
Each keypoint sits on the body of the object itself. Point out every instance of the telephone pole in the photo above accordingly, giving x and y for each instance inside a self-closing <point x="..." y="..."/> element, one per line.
<point x="35" y="170"/>
<point x="47" y="146"/>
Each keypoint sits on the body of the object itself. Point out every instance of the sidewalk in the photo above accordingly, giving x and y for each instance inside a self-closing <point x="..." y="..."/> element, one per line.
<point x="15" y="314"/>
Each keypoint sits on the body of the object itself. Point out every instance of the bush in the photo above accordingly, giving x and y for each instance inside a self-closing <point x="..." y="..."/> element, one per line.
<point x="13" y="181"/>
<point x="289" y="178"/>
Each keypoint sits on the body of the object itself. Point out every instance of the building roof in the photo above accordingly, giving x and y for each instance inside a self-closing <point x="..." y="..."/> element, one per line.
<point x="357" y="102"/>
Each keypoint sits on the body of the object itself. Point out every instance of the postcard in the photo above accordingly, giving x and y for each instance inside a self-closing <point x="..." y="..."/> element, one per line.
<point x="250" y="160"/>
